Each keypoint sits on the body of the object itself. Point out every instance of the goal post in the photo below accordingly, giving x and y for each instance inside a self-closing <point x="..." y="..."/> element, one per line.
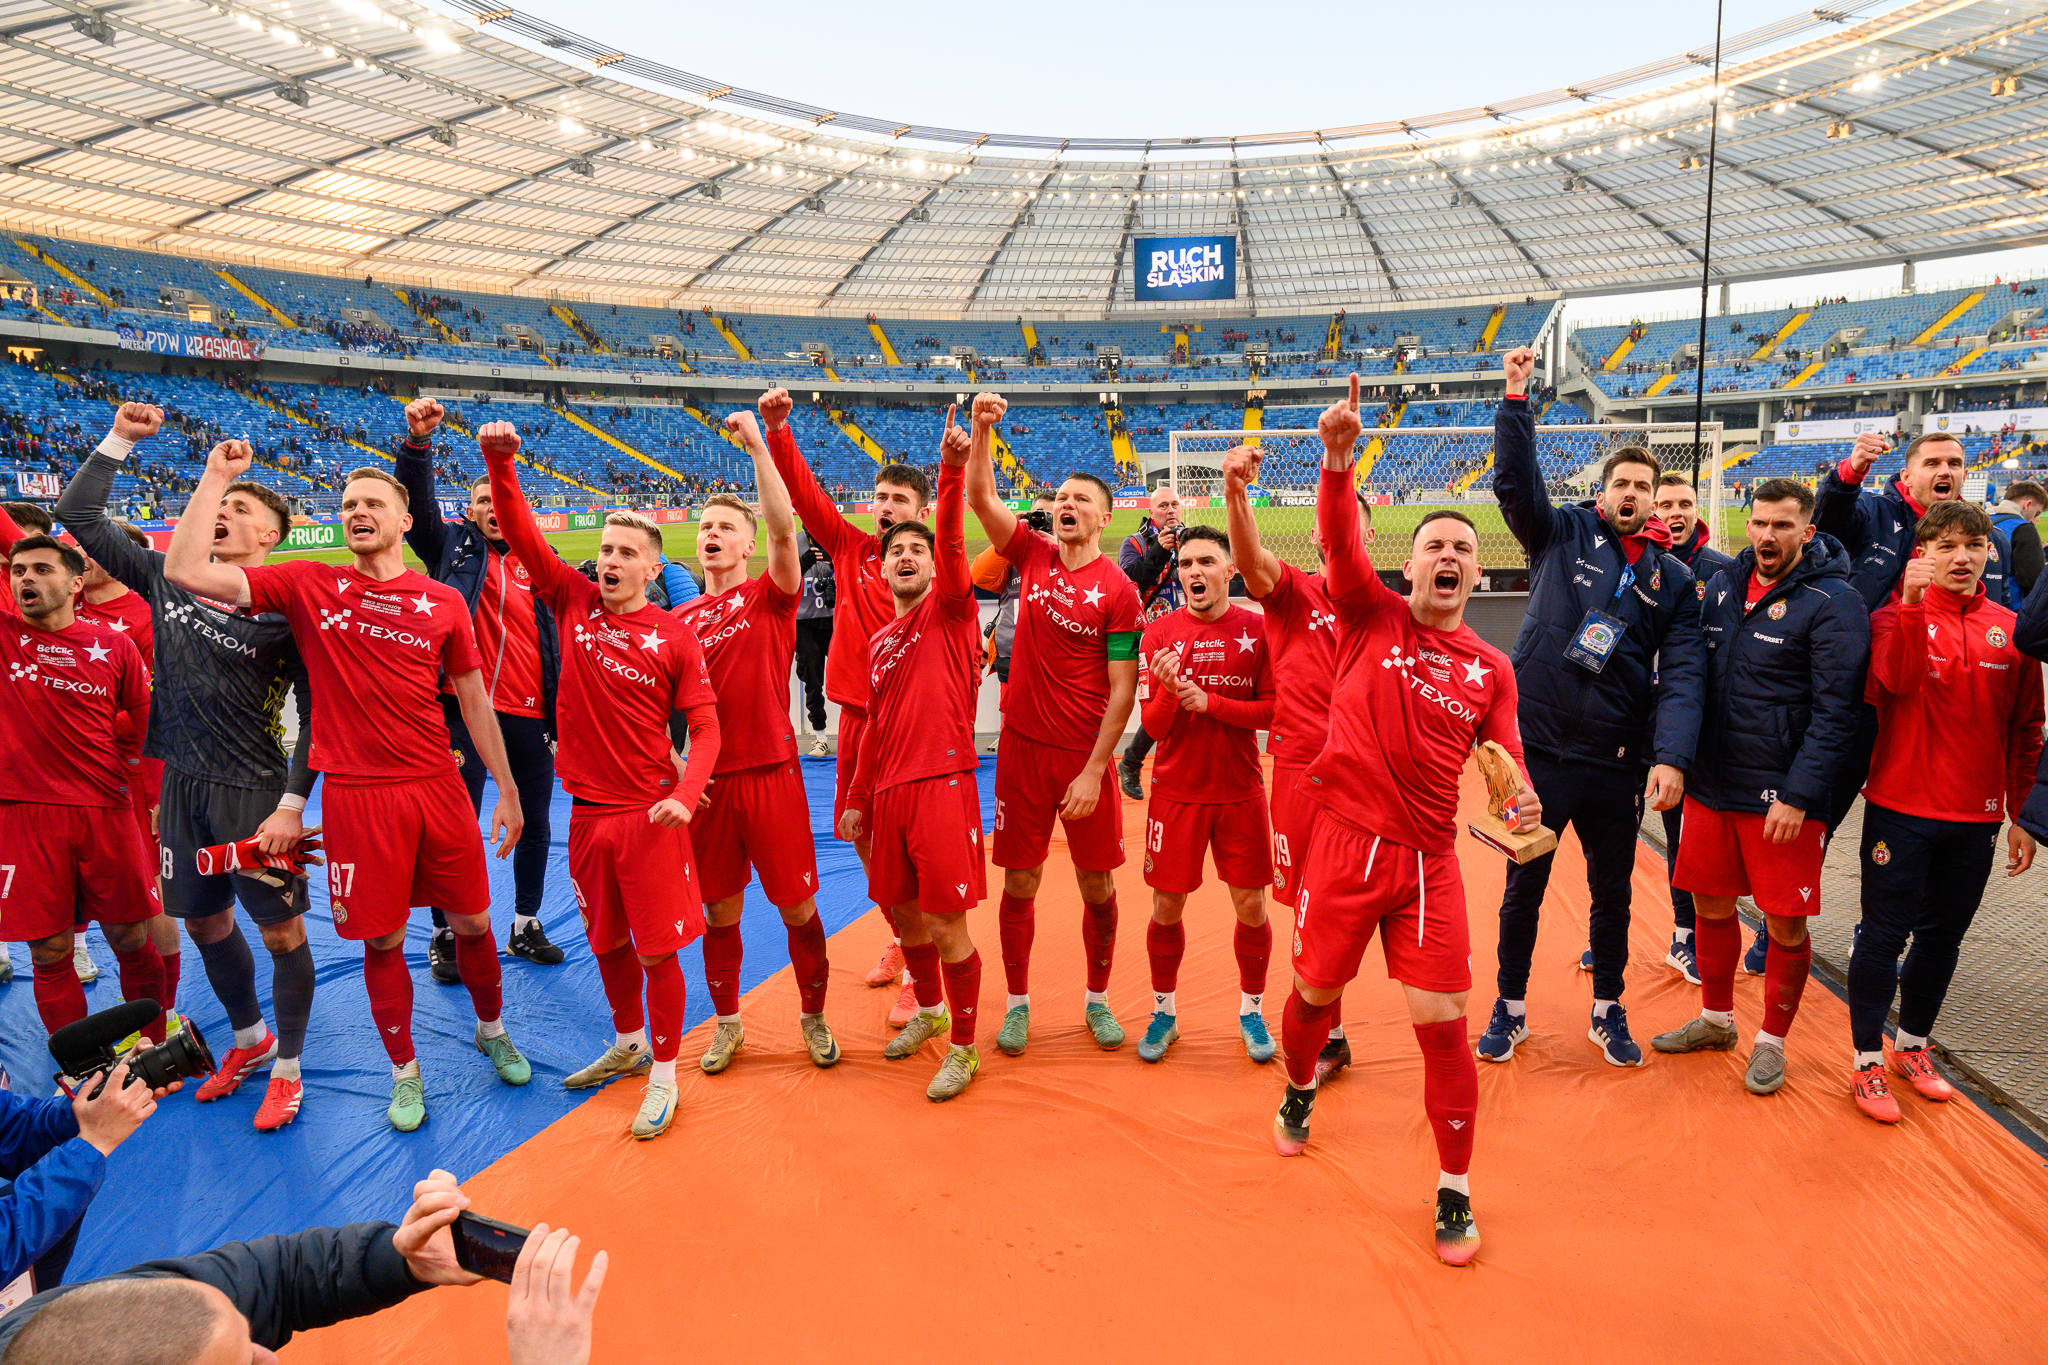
<point x="1407" y="471"/>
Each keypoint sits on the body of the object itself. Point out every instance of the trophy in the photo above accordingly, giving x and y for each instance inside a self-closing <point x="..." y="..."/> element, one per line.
<point x="1499" y="828"/>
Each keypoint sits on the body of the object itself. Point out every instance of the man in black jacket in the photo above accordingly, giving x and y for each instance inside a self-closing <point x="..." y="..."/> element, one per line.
<point x="1149" y="557"/>
<point x="522" y="664"/>
<point x="1608" y="664"/>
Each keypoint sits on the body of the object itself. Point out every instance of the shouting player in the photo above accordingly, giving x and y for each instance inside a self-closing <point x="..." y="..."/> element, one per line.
<point x="1073" y="672"/>
<point x="1416" y="689"/>
<point x="627" y="672"/>
<point x="756" y="817"/>
<point x="398" y="828"/>
<point x="1211" y="695"/>
<point x="215" y="719"/>
<point x="914" y="796"/>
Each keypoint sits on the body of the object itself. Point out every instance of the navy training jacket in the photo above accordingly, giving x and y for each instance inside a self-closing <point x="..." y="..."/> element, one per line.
<point x="2030" y="637"/>
<point x="1877" y="531"/>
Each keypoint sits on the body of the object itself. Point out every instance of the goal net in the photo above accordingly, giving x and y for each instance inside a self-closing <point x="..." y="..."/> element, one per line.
<point x="1406" y="471"/>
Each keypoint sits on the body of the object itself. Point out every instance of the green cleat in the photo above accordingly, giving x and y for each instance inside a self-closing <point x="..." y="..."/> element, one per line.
<point x="954" y="1073"/>
<point x="512" y="1068"/>
<point x="818" y="1040"/>
<point x="1161" y="1034"/>
<point x="1109" y="1034"/>
<point x="921" y="1029"/>
<point x="725" y="1045"/>
<point x="408" y="1101"/>
<point x="617" y="1061"/>
<point x="1016" y="1030"/>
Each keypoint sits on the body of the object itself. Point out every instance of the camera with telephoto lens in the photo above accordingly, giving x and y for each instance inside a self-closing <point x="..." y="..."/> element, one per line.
<point x="1039" y="520"/>
<point x="87" y="1049"/>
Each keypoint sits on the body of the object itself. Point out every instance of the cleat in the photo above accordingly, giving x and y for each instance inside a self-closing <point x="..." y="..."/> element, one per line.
<point x="1127" y="775"/>
<point x="82" y="963"/>
<point x="1915" y="1065"/>
<point x="1681" y="959"/>
<point x="617" y="1061"/>
<point x="1586" y="960"/>
<point x="1335" y="1056"/>
<point x="1161" y="1034"/>
<point x="6" y="968"/>
<point x="1457" y="1237"/>
<point x="532" y="944"/>
<point x="408" y="1102"/>
<point x="1109" y="1034"/>
<point x="921" y="1029"/>
<point x="954" y="1073"/>
<point x="1016" y="1030"/>
<point x="1503" y="1032"/>
<point x="818" y="1040"/>
<point x="1258" y="1041"/>
<point x="441" y="961"/>
<point x="819" y="748"/>
<point x="726" y="1042"/>
<point x="1290" y="1125"/>
<point x="657" y="1111"/>
<point x="1696" y="1035"/>
<point x="1610" y="1032"/>
<point x="1873" y="1096"/>
<point x="280" y="1104"/>
<point x="885" y="972"/>
<point x="1753" y="960"/>
<point x="905" y="1007"/>
<point x="235" y="1068"/>
<point x="512" y="1068"/>
<point x="1766" y="1074"/>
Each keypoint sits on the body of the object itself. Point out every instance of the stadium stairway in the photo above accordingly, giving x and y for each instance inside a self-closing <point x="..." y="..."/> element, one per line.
<point x="1030" y="338"/>
<point x="283" y="319"/>
<point x="1334" y="337"/>
<point x="1663" y="382"/>
<point x="569" y="319"/>
<point x="739" y="348"/>
<point x="1619" y="354"/>
<point x="1961" y="307"/>
<point x="1126" y="453"/>
<point x="1254" y="420"/>
<point x="1809" y="372"/>
<point x="1964" y="363"/>
<point x="882" y="340"/>
<point x="1500" y="311"/>
<point x="851" y="430"/>
<point x="601" y="434"/>
<point x="439" y="326"/>
<point x="1769" y="348"/>
<point x="65" y="272"/>
<point x="281" y="409"/>
<point x="1378" y="445"/>
<point x="714" y="425"/>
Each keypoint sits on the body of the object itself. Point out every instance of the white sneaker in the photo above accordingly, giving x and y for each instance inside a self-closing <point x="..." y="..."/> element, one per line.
<point x="657" y="1111"/>
<point x="81" y="961"/>
<point x="819" y="749"/>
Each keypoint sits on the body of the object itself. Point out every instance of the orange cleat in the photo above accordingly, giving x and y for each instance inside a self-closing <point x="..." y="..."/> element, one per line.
<point x="1916" y="1066"/>
<point x="885" y="972"/>
<point x="905" y="1006"/>
<point x="1873" y="1096"/>
<point x="280" y="1104"/>
<point x="235" y="1068"/>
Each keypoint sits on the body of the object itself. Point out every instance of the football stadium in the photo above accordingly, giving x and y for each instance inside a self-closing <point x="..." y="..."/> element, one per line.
<point x="522" y="553"/>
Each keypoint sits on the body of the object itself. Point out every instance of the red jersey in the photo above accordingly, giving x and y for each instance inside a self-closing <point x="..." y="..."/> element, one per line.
<point x="64" y="689"/>
<point x="865" y="605"/>
<point x="748" y="636"/>
<point x="1211" y="757"/>
<point x="1070" y="624"/>
<point x="1959" y="710"/>
<point x="1409" y="701"/>
<point x="374" y="651"/>
<point x="924" y="670"/>
<point x="1301" y="637"/>
<point x="508" y="637"/>
<point x="128" y="614"/>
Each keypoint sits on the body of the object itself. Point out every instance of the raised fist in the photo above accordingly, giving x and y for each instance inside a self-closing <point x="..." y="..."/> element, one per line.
<point x="1240" y="468"/>
<point x="1869" y="446"/>
<point x="1916" y="580"/>
<point x="1520" y="364"/>
<point x="741" y="424"/>
<point x="137" y="421"/>
<point x="422" y="415"/>
<point x="1340" y="423"/>
<point x="231" y="458"/>
<point x="775" y="405"/>
<point x="989" y="409"/>
<point x="955" y="443"/>
<point x="498" y="438"/>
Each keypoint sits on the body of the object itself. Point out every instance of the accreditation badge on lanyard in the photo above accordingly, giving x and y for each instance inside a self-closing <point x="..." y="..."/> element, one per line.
<point x="1599" y="632"/>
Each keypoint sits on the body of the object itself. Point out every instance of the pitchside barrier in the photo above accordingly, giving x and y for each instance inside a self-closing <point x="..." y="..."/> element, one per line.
<point x="1404" y="471"/>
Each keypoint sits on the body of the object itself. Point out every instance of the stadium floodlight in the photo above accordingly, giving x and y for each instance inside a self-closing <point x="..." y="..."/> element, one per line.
<point x="291" y="92"/>
<point x="581" y="166"/>
<point x="444" y="134"/>
<point x="96" y="27"/>
<point x="709" y="189"/>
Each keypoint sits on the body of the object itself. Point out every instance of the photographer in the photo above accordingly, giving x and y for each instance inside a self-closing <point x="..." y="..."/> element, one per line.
<point x="243" y="1301"/>
<point x="1150" y="557"/>
<point x="992" y="573"/>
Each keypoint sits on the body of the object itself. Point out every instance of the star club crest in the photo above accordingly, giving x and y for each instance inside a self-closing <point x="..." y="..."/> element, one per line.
<point x="1777" y="610"/>
<point x="1995" y="638"/>
<point x="1879" y="854"/>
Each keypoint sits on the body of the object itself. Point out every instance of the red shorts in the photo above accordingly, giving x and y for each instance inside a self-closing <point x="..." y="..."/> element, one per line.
<point x="851" y="724"/>
<point x="926" y="847"/>
<point x="634" y="881"/>
<point x="1031" y="779"/>
<point x="1724" y="853"/>
<point x="1294" y="820"/>
<point x="1177" y="833"/>
<point x="394" y="845"/>
<point x="758" y="821"/>
<point x="57" y="859"/>
<point x="145" y="794"/>
<point x="1356" y="883"/>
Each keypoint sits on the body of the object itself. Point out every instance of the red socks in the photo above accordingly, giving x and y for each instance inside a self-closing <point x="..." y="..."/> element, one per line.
<point x="1165" y="944"/>
<point x="60" y="995"/>
<point x="665" y="998"/>
<point x="1098" y="937"/>
<point x="477" y="957"/>
<point x="1785" y="971"/>
<point x="963" y="995"/>
<point x="922" y="961"/>
<point x="807" y="959"/>
<point x="620" y="971"/>
<point x="1304" y="1028"/>
<point x="1017" y="920"/>
<point x="390" y="987"/>
<point x="142" y="978"/>
<point x="724" y="953"/>
<point x="1450" y="1089"/>
<point x="1717" y="947"/>
<point x="169" y="999"/>
<point x="1254" y="944"/>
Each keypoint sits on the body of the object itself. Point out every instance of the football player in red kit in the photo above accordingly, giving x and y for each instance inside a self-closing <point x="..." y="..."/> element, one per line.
<point x="397" y="824"/>
<point x="1073" y="673"/>
<point x="626" y="671"/>
<point x="755" y="817"/>
<point x="1212" y="693"/>
<point x="1416" y="689"/>
<point x="914" y="796"/>
<point x="67" y="838"/>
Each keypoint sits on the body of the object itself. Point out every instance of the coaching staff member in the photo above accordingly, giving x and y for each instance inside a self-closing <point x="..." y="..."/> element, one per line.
<point x="1609" y="666"/>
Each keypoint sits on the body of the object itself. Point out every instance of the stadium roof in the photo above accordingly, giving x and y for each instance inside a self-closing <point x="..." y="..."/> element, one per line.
<point x="481" y="148"/>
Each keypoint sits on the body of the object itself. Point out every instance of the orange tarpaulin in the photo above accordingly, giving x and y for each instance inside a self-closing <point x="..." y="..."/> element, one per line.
<point x="1076" y="1205"/>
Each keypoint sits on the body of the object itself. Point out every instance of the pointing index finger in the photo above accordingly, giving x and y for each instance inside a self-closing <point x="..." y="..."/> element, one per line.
<point x="951" y="408"/>
<point x="1354" y="391"/>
